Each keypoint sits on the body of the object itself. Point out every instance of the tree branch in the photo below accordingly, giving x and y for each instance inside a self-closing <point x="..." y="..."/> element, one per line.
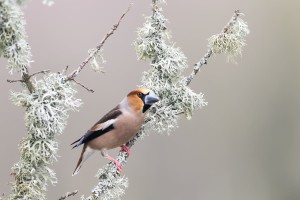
<point x="209" y="52"/>
<point x="88" y="89"/>
<point x="84" y="63"/>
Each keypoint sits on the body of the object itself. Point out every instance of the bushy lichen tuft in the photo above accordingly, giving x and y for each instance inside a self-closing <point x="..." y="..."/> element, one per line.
<point x="13" y="45"/>
<point x="232" y="41"/>
<point x="154" y="27"/>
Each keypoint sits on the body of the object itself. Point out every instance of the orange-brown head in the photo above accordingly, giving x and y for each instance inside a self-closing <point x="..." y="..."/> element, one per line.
<point x="141" y="99"/>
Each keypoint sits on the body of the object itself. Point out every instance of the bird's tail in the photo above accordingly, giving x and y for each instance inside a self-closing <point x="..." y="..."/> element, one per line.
<point x="77" y="143"/>
<point x="86" y="152"/>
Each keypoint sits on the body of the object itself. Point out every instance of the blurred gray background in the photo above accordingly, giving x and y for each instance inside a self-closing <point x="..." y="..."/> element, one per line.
<point x="244" y="145"/>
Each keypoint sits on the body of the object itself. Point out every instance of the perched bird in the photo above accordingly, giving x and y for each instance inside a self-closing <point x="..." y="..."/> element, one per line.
<point x="116" y="127"/>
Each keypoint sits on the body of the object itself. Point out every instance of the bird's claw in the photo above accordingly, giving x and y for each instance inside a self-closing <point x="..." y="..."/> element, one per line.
<point x="117" y="163"/>
<point x="126" y="149"/>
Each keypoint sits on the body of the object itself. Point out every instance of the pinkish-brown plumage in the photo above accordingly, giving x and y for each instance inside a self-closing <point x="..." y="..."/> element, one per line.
<point x="116" y="127"/>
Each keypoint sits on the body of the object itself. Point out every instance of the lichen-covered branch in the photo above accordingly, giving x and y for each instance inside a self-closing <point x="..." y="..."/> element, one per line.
<point x="94" y="53"/>
<point x="165" y="77"/>
<point x="229" y="41"/>
<point x="47" y="103"/>
<point x="232" y="39"/>
<point x="46" y="115"/>
<point x="198" y="65"/>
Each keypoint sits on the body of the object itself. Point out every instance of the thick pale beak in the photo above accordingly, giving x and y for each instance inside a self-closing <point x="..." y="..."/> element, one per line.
<point x="151" y="98"/>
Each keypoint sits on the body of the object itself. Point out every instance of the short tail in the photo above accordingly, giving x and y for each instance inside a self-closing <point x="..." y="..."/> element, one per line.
<point x="85" y="154"/>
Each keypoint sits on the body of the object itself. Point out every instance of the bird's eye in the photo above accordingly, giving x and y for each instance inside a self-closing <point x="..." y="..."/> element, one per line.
<point x="139" y="94"/>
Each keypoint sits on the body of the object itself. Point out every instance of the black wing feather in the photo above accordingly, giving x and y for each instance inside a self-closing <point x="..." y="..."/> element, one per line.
<point x="93" y="133"/>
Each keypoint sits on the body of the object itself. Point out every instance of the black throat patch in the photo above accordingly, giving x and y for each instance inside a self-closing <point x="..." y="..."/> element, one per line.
<point x="146" y="107"/>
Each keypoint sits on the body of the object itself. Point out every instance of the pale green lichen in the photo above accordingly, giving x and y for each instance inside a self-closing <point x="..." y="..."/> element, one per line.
<point x="13" y="45"/>
<point x="46" y="116"/>
<point x="111" y="185"/>
<point x="232" y="41"/>
<point x="154" y="27"/>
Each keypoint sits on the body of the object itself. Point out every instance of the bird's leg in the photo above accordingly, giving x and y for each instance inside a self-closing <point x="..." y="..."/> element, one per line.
<point x="126" y="149"/>
<point x="117" y="163"/>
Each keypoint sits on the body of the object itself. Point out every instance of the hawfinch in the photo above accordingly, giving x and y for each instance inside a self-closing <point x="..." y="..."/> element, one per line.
<point x="116" y="127"/>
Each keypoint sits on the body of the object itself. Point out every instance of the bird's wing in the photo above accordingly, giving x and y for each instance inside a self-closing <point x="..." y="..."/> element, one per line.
<point x="104" y="125"/>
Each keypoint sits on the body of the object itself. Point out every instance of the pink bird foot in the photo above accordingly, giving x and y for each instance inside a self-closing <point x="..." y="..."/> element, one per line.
<point x="126" y="149"/>
<point x="118" y="165"/>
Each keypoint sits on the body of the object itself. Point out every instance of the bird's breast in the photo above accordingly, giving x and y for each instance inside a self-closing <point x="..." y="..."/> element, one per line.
<point x="127" y="126"/>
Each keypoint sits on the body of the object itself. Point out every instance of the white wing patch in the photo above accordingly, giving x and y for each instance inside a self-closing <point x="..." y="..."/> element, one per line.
<point x="107" y="123"/>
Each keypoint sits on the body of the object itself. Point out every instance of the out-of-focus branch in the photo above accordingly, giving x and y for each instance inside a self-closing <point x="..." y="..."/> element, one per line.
<point x="98" y="48"/>
<point x="68" y="194"/>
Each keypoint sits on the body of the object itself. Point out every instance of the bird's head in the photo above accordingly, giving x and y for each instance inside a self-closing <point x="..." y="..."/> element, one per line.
<point x="141" y="99"/>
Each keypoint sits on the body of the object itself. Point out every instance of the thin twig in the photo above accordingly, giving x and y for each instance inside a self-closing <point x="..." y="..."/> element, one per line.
<point x="68" y="194"/>
<point x="88" y="89"/>
<point x="14" y="81"/>
<point x="205" y="58"/>
<point x="84" y="63"/>
<point x="65" y="70"/>
<point x="40" y="72"/>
